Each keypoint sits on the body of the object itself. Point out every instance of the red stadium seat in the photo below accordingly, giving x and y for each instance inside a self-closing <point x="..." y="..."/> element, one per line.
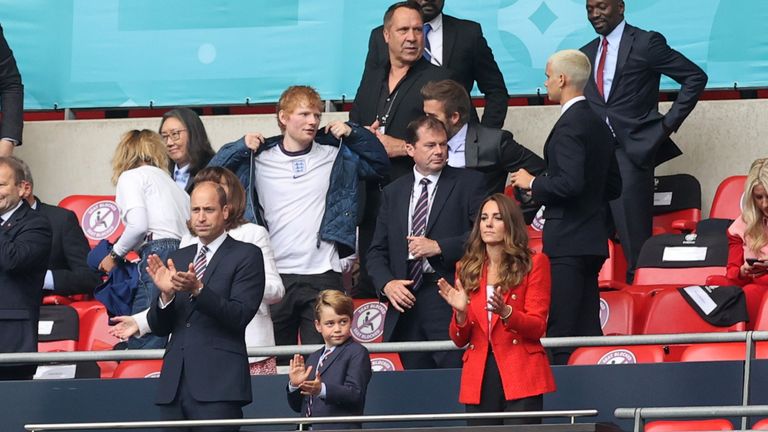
<point x="613" y="273"/>
<point x="761" y="425"/>
<point x="368" y="322"/>
<point x="614" y="355"/>
<point x="57" y="346"/>
<point x="729" y="351"/>
<point x="668" y="312"/>
<point x="677" y="203"/>
<point x="689" y="425"/>
<point x="727" y="201"/>
<point x="677" y="276"/>
<point x="94" y="334"/>
<point x="617" y="313"/>
<point x="138" y="369"/>
<point x="761" y="322"/>
<point x="386" y="362"/>
<point x="98" y="216"/>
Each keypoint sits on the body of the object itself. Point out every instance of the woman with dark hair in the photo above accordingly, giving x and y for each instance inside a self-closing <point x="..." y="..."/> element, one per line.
<point x="187" y="143"/>
<point x="500" y="304"/>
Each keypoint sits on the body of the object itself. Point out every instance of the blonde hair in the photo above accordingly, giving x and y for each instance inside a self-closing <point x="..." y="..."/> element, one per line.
<point x="336" y="300"/>
<point x="754" y="235"/>
<point x="574" y="64"/>
<point x="137" y="148"/>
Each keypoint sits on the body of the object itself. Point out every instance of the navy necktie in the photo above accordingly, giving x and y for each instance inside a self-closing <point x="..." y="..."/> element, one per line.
<point x="427" y="48"/>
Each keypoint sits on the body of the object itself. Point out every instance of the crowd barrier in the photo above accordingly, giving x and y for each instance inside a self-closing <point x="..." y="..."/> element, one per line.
<point x="641" y="414"/>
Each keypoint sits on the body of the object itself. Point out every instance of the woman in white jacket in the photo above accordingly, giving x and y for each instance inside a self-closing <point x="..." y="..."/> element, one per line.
<point x="260" y="331"/>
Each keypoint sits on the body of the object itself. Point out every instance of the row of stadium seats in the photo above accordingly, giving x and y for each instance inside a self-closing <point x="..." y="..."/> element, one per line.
<point x="698" y="425"/>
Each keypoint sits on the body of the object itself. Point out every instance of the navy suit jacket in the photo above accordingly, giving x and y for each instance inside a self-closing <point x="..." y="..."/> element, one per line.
<point x="209" y="330"/>
<point x="69" y="252"/>
<point x="467" y="54"/>
<point x="345" y="373"/>
<point x="633" y="103"/>
<point x="25" y="242"/>
<point x="11" y="93"/>
<point x="582" y="176"/>
<point x="457" y="200"/>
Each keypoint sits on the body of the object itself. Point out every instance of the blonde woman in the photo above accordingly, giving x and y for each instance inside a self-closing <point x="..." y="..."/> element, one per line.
<point x="748" y="242"/>
<point x="153" y="209"/>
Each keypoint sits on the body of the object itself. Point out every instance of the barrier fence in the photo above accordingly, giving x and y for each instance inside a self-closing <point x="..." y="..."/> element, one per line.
<point x="640" y="414"/>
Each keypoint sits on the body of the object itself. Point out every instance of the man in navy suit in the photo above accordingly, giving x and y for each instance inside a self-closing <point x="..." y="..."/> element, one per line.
<point x="411" y="251"/>
<point x="25" y="242"/>
<point x="627" y="64"/>
<point x="209" y="292"/>
<point x="458" y="45"/>
<point x="582" y="176"/>
<point x="11" y="99"/>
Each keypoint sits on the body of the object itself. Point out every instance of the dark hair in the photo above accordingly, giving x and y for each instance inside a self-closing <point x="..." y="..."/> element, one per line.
<point x="199" y="147"/>
<point x="336" y="300"/>
<point x="431" y="123"/>
<point x="410" y="4"/>
<point x="16" y="167"/>
<point x="236" y="196"/>
<point x="451" y="94"/>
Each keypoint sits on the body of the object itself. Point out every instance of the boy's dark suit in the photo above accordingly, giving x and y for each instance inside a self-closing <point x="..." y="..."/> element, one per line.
<point x="25" y="242"/>
<point x="345" y="373"/>
<point x="582" y="176"/>
<point x="207" y="354"/>
<point x="642" y="133"/>
<point x="458" y="195"/>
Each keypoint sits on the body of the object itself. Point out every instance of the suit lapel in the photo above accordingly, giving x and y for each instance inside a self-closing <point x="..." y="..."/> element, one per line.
<point x="449" y="39"/>
<point x="471" y="147"/>
<point x="332" y="357"/>
<point x="400" y="208"/>
<point x="625" y="46"/>
<point x="591" y="88"/>
<point x="444" y="187"/>
<point x="211" y="267"/>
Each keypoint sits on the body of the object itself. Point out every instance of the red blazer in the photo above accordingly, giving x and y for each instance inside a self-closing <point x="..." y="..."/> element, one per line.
<point x="735" y="260"/>
<point x="522" y="362"/>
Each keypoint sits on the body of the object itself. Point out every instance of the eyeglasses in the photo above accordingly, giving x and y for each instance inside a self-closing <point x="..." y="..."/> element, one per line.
<point x="174" y="135"/>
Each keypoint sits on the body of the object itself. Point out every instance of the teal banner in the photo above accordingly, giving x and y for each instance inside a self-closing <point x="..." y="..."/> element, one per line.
<point x="129" y="53"/>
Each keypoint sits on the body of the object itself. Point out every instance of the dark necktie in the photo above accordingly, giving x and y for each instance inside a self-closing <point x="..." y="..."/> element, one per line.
<point x="419" y="228"/>
<point x="428" y="49"/>
<point x="323" y="357"/>
<point x="201" y="262"/>
<point x="601" y="67"/>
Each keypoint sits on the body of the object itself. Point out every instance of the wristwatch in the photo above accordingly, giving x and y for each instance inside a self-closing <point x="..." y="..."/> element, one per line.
<point x="117" y="258"/>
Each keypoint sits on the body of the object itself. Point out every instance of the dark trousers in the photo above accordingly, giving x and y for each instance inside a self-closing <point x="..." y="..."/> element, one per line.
<point x="492" y="400"/>
<point x="428" y="320"/>
<point x="633" y="210"/>
<point x="17" y="372"/>
<point x="185" y="407"/>
<point x="575" y="305"/>
<point x="294" y="315"/>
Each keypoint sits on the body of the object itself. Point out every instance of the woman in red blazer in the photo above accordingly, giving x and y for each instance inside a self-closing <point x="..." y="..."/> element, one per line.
<point x="500" y="303"/>
<point x="748" y="243"/>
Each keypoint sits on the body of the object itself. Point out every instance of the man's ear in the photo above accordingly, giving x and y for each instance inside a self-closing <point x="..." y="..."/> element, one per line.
<point x="455" y="118"/>
<point x="409" y="149"/>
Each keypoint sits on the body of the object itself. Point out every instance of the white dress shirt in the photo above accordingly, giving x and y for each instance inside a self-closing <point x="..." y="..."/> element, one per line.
<point x="415" y="192"/>
<point x="614" y="40"/>
<point x="456" y="156"/>
<point x="435" y="37"/>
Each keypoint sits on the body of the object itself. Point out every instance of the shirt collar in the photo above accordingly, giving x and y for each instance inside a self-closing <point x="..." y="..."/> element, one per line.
<point x="214" y="245"/>
<point x="182" y="170"/>
<point x="7" y="215"/>
<point x="436" y="22"/>
<point x="433" y="178"/>
<point x="456" y="143"/>
<point x="570" y="103"/>
<point x="614" y="37"/>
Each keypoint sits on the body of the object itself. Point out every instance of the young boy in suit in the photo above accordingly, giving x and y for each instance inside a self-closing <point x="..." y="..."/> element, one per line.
<point x="334" y="379"/>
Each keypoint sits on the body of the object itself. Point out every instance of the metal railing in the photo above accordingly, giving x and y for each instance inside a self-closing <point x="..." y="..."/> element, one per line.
<point x="641" y="414"/>
<point x="307" y="420"/>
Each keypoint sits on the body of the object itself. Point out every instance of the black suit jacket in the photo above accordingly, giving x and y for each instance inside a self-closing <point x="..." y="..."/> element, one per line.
<point x="632" y="105"/>
<point x="209" y="330"/>
<point x="345" y="373"/>
<point x="25" y="242"/>
<point x="69" y="251"/>
<point x="467" y="54"/>
<point x="457" y="200"/>
<point x="495" y="153"/>
<point x="11" y="93"/>
<point x="582" y="176"/>
<point x="407" y="106"/>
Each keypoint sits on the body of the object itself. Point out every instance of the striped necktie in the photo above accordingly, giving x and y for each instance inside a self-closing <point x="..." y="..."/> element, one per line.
<point x="323" y="357"/>
<point x="201" y="262"/>
<point x="419" y="228"/>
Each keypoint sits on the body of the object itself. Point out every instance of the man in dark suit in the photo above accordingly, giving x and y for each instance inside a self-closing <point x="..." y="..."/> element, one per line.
<point x="386" y="101"/>
<point x="206" y="304"/>
<point x="25" y="242"/>
<point x="423" y="222"/>
<point x="458" y="45"/>
<point x="11" y="99"/>
<point x="582" y="176"/>
<point x="627" y="65"/>
<point x="493" y="152"/>
<point x="68" y="272"/>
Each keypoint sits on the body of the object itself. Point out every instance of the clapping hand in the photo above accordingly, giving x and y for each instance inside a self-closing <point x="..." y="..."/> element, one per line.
<point x="456" y="297"/>
<point x="297" y="371"/>
<point x="497" y="305"/>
